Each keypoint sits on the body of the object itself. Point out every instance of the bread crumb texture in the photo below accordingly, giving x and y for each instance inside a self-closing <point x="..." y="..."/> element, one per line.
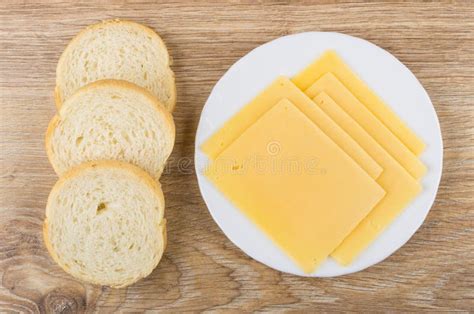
<point x="121" y="50"/>
<point x="111" y="119"/>
<point x="104" y="223"/>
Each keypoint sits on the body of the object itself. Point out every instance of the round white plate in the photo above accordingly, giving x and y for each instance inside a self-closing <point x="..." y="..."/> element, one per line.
<point x="288" y="55"/>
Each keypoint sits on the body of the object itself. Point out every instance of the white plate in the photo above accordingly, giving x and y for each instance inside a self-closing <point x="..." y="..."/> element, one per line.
<point x="287" y="56"/>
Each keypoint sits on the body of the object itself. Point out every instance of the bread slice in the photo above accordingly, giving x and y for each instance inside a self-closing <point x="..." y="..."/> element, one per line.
<point x="104" y="223"/>
<point x="115" y="49"/>
<point x="111" y="119"/>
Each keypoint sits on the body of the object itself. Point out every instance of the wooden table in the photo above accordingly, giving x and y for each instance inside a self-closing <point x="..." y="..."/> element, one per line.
<point x="202" y="269"/>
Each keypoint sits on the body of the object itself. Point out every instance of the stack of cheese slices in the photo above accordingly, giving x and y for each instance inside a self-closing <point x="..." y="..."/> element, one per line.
<point x="319" y="162"/>
<point x="109" y="143"/>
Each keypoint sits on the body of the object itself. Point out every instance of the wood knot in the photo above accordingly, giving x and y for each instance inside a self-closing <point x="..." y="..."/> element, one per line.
<point x="64" y="301"/>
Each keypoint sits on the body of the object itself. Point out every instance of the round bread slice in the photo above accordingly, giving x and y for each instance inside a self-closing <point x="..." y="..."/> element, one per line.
<point x="114" y="120"/>
<point x="104" y="223"/>
<point x="116" y="49"/>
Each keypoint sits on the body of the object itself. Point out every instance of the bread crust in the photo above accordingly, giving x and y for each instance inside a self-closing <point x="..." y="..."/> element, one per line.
<point x="57" y="91"/>
<point x="47" y="141"/>
<point x="111" y="164"/>
<point x="100" y="84"/>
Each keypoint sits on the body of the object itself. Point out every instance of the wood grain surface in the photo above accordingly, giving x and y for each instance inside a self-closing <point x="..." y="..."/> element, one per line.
<point x="202" y="270"/>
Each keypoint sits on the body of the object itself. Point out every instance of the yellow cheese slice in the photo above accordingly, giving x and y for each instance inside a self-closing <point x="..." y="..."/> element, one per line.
<point x="287" y="176"/>
<point x="330" y="62"/>
<point x="400" y="187"/>
<point x="329" y="84"/>
<point x="279" y="89"/>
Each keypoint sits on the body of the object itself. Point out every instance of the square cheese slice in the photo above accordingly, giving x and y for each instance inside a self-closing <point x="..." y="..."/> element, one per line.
<point x="283" y="88"/>
<point x="331" y="62"/>
<point x="329" y="84"/>
<point x="400" y="187"/>
<point x="295" y="184"/>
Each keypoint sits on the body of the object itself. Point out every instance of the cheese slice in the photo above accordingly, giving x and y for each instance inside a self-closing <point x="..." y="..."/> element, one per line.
<point x="287" y="176"/>
<point x="330" y="62"/>
<point x="279" y="89"/>
<point x="329" y="84"/>
<point x="400" y="187"/>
